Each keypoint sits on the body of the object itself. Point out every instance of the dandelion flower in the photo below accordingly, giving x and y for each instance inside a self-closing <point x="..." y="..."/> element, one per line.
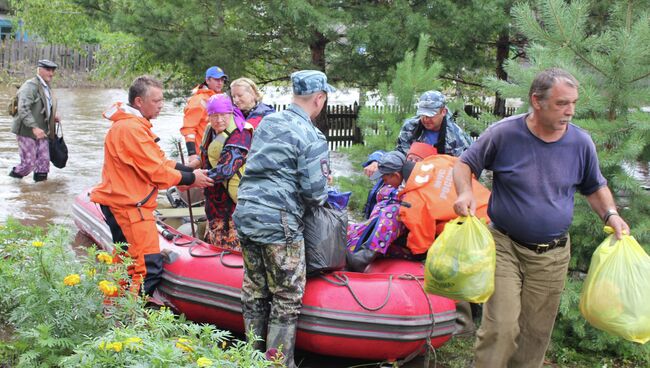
<point x="116" y="346"/>
<point x="204" y="362"/>
<point x="72" y="279"/>
<point x="108" y="288"/>
<point x="104" y="257"/>
<point x="37" y="243"/>
<point x="184" y="344"/>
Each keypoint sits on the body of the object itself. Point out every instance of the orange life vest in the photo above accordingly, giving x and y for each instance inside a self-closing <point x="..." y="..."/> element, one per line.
<point x="431" y="194"/>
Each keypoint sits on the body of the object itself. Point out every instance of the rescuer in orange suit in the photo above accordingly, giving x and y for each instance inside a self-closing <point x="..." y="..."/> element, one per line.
<point x="134" y="169"/>
<point x="195" y="119"/>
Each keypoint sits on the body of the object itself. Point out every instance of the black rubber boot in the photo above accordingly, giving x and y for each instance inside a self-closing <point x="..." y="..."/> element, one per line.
<point x="359" y="260"/>
<point x="40" y="176"/>
<point x="259" y="327"/>
<point x="282" y="336"/>
<point x="13" y="174"/>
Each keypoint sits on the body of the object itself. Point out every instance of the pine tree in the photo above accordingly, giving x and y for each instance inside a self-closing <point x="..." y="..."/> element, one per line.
<point x="613" y="67"/>
<point x="414" y="75"/>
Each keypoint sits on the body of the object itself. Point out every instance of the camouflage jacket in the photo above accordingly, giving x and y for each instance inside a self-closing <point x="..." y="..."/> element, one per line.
<point x="452" y="140"/>
<point x="286" y="170"/>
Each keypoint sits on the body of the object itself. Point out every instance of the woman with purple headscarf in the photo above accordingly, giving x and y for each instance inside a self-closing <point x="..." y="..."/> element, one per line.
<point x="225" y="145"/>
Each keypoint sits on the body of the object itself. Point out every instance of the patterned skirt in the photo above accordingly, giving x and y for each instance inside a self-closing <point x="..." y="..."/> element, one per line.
<point x="222" y="233"/>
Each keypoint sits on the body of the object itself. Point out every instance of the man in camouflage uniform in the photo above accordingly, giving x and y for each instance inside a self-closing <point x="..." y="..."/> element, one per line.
<point x="432" y="124"/>
<point x="286" y="171"/>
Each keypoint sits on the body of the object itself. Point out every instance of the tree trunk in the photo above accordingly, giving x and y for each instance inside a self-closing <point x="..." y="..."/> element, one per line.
<point x="503" y="49"/>
<point x="317" y="48"/>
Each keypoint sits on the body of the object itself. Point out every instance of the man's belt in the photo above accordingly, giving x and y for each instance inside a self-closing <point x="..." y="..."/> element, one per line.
<point x="537" y="247"/>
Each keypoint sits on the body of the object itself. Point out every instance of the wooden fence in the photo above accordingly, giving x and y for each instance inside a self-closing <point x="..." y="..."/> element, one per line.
<point x="16" y="55"/>
<point x="341" y="129"/>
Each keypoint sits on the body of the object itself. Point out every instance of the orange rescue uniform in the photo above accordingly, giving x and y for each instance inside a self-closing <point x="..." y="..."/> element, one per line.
<point x="195" y="119"/>
<point x="431" y="194"/>
<point x="134" y="169"/>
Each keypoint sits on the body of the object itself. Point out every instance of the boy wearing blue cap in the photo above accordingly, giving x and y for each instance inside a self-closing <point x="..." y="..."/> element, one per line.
<point x="195" y="119"/>
<point x="286" y="171"/>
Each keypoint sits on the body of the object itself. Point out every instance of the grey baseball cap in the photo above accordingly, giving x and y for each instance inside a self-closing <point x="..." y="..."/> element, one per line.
<point x="389" y="163"/>
<point x="306" y="82"/>
<point x="430" y="103"/>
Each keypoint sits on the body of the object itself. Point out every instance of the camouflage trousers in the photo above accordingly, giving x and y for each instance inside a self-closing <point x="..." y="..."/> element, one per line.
<point x="274" y="281"/>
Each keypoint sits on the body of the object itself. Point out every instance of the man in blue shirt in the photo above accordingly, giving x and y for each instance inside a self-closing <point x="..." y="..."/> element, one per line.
<point x="538" y="160"/>
<point x="432" y="124"/>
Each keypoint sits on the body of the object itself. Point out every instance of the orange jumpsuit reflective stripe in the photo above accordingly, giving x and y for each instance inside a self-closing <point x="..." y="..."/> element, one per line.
<point x="134" y="169"/>
<point x="195" y="118"/>
<point x="431" y="194"/>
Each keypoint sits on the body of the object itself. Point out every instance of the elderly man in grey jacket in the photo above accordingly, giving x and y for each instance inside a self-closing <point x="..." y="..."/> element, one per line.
<point x="33" y="123"/>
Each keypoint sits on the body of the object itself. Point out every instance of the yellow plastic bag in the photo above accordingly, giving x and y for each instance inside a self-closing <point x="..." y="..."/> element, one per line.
<point x="616" y="294"/>
<point x="461" y="262"/>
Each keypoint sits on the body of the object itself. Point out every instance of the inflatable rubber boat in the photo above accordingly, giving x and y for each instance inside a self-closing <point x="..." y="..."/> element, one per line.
<point x="382" y="314"/>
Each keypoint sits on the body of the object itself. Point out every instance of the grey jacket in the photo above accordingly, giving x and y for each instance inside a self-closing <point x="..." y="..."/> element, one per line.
<point x="32" y="110"/>
<point x="452" y="140"/>
<point x="286" y="170"/>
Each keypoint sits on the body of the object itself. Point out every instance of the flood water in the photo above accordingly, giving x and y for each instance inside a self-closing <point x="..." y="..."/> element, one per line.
<point x="84" y="129"/>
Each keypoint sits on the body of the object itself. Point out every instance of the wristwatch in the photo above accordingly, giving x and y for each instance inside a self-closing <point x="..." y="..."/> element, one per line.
<point x="610" y="212"/>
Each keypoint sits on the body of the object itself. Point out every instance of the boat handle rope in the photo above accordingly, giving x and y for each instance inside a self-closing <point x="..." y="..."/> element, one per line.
<point x="194" y="244"/>
<point x="225" y="253"/>
<point x="428" y="345"/>
<point x="345" y="281"/>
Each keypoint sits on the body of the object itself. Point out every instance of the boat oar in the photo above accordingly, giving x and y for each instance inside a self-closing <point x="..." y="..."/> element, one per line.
<point x="189" y="198"/>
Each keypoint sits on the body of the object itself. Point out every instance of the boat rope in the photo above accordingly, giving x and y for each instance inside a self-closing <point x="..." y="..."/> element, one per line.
<point x="343" y="280"/>
<point x="225" y="253"/>
<point x="193" y="244"/>
<point x="432" y="327"/>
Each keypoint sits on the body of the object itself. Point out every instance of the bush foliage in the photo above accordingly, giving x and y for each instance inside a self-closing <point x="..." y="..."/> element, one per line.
<point x="56" y="305"/>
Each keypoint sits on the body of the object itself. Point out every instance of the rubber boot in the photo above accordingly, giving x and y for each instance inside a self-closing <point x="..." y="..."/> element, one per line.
<point x="284" y="335"/>
<point x="360" y="260"/>
<point x="464" y="322"/>
<point x="14" y="174"/>
<point x="259" y="327"/>
<point x="40" y="176"/>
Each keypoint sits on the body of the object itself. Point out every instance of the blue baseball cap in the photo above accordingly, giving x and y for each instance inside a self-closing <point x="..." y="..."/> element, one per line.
<point x="215" y="72"/>
<point x="306" y="82"/>
<point x="389" y="163"/>
<point x="430" y="103"/>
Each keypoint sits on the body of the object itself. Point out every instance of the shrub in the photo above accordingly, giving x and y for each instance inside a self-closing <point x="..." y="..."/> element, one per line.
<point x="62" y="312"/>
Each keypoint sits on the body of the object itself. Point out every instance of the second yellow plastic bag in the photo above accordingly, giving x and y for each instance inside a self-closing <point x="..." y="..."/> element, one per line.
<point x="461" y="262"/>
<point x="616" y="294"/>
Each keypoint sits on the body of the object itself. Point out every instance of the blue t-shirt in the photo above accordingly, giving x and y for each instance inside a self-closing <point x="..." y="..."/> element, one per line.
<point x="534" y="182"/>
<point x="430" y="137"/>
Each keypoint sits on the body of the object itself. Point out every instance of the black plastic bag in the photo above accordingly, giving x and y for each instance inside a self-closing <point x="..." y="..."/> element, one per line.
<point x="325" y="239"/>
<point x="58" y="149"/>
